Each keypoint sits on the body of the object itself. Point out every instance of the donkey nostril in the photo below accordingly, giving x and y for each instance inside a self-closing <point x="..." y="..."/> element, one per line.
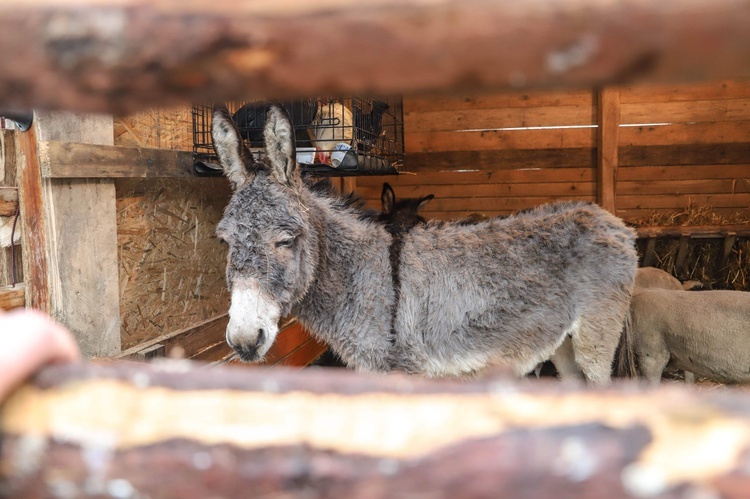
<point x="261" y="336"/>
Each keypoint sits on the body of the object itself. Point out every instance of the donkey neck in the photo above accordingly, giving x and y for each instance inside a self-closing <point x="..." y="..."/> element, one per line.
<point x="350" y="302"/>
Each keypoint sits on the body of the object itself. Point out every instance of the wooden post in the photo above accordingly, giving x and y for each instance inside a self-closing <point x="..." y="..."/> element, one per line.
<point x="34" y="223"/>
<point x="80" y="236"/>
<point x="609" y="135"/>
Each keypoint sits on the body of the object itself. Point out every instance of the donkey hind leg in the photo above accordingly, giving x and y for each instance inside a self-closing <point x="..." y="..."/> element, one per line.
<point x="596" y="339"/>
<point x="565" y="362"/>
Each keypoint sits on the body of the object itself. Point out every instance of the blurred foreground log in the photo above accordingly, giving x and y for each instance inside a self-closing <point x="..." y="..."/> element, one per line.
<point x="124" y="430"/>
<point x="125" y="55"/>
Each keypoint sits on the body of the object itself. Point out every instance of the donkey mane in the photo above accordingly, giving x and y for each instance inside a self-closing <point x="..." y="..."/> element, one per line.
<point x="350" y="203"/>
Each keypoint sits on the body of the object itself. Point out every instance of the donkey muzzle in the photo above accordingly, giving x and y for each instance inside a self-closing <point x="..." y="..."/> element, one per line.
<point x="253" y="322"/>
<point x="247" y="350"/>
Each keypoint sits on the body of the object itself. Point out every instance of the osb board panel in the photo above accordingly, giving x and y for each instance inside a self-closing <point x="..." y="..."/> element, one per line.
<point x="171" y="263"/>
<point x="157" y="128"/>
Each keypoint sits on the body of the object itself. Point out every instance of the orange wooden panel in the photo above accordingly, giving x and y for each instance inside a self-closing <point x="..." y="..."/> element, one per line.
<point x="710" y="90"/>
<point x="498" y="100"/>
<point x="287" y="342"/>
<point x="475" y="119"/>
<point x="12" y="297"/>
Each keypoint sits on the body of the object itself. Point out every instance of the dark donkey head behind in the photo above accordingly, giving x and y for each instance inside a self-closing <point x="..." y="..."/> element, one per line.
<point x="500" y="292"/>
<point x="402" y="212"/>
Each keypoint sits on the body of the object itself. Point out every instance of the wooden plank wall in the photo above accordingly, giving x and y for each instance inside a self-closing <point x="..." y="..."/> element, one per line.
<point x="497" y="153"/>
<point x="701" y="156"/>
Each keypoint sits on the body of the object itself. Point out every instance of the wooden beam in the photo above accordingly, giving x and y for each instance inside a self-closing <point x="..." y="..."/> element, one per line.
<point x="206" y="342"/>
<point x="8" y="201"/>
<point x="34" y="222"/>
<point x="695" y="231"/>
<point x="89" y="55"/>
<point x="607" y="143"/>
<point x="74" y="160"/>
<point x="12" y="296"/>
<point x="340" y="434"/>
<point x="190" y="340"/>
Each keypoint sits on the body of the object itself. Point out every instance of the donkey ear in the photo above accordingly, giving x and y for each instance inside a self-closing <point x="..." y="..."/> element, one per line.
<point x="280" y="147"/>
<point x="388" y="198"/>
<point x="423" y="201"/>
<point x="233" y="154"/>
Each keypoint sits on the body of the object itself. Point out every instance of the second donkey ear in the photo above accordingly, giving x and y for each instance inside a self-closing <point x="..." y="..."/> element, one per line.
<point x="234" y="156"/>
<point x="388" y="198"/>
<point x="280" y="145"/>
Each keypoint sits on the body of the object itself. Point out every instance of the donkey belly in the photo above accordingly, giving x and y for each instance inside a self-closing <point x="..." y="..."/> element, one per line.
<point x="478" y="345"/>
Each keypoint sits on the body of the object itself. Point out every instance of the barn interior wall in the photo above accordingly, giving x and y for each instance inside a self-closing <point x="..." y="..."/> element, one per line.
<point x="172" y="265"/>
<point x="679" y="146"/>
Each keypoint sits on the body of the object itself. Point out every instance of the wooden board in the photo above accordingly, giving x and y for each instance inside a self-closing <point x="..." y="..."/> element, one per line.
<point x="486" y="119"/>
<point x="555" y="138"/>
<point x="697" y="133"/>
<point x="696" y="111"/>
<point x="498" y="100"/>
<point x="500" y="159"/>
<point x="685" y="154"/>
<point x="190" y="341"/>
<point x="739" y="201"/>
<point x="708" y="186"/>
<point x="701" y="172"/>
<point x="12" y="296"/>
<point x="685" y="92"/>
<point x="8" y="201"/>
<point x="76" y="160"/>
<point x="484" y="190"/>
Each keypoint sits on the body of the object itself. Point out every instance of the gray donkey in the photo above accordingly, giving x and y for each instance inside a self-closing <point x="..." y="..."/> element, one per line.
<point x="504" y="292"/>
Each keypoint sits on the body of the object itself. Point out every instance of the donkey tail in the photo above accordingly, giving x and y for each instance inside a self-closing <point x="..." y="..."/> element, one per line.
<point x="625" y="366"/>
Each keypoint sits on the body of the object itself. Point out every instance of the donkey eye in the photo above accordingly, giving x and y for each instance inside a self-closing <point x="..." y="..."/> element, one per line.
<point x="285" y="243"/>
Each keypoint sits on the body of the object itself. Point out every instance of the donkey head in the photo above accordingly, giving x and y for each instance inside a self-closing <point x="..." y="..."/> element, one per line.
<point x="403" y="213"/>
<point x="266" y="228"/>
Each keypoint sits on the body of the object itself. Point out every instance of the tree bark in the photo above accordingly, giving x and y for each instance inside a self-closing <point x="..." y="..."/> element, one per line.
<point x="128" y="55"/>
<point x="183" y="430"/>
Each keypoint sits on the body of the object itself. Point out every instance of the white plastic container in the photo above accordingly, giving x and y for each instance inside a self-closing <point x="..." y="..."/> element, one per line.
<point x="306" y="155"/>
<point x="337" y="156"/>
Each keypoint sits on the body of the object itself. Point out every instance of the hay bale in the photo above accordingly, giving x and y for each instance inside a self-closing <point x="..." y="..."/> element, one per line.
<point x="703" y="255"/>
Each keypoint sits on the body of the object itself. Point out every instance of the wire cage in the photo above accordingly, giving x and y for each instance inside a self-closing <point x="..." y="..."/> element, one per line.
<point x="334" y="136"/>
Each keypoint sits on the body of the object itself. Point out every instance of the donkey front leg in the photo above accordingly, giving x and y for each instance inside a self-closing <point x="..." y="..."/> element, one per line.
<point x="565" y="361"/>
